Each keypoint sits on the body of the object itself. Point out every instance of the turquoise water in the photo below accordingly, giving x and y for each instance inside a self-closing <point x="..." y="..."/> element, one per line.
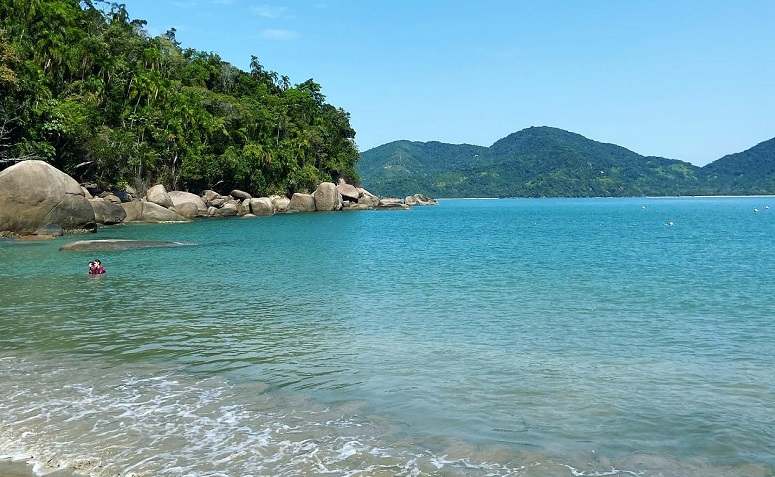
<point x="625" y="337"/>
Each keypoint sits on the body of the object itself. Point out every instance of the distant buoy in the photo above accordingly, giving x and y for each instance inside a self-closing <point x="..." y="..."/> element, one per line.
<point x="766" y="206"/>
<point x="755" y="209"/>
<point x="670" y="224"/>
<point x="642" y="206"/>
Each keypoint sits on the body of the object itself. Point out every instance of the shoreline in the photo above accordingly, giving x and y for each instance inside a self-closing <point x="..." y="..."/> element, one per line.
<point x="23" y="468"/>
<point x="10" y="467"/>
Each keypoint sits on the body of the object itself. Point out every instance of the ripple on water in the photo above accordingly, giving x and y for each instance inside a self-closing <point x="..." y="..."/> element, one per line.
<point x="497" y="338"/>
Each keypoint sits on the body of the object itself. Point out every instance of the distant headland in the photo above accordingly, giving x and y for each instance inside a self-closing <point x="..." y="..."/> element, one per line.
<point x="551" y="162"/>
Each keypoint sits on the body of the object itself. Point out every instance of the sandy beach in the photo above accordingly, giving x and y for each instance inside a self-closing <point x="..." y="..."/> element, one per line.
<point x="10" y="468"/>
<point x="15" y="469"/>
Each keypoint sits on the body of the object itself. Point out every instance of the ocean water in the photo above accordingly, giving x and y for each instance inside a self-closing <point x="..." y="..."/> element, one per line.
<point x="594" y="337"/>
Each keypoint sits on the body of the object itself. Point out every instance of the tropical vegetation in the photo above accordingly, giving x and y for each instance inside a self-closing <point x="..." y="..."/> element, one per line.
<point x="84" y="87"/>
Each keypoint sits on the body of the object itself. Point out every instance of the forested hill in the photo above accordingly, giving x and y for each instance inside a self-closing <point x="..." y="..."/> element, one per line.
<point x="84" y="87"/>
<point x="551" y="162"/>
<point x="745" y="173"/>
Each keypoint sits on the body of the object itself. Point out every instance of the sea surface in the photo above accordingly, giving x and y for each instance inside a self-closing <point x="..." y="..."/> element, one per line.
<point x="535" y="337"/>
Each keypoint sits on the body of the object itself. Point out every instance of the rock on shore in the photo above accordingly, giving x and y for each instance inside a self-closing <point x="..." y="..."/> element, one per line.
<point x="34" y="195"/>
<point x="38" y="199"/>
<point x="140" y="211"/>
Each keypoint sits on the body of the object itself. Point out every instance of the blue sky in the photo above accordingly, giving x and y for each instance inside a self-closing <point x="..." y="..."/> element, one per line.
<point x="689" y="80"/>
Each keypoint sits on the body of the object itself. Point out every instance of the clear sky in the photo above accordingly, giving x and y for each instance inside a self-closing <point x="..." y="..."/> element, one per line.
<point x="689" y="80"/>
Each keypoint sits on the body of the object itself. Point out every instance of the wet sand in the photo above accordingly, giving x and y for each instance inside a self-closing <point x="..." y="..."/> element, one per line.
<point x="10" y="468"/>
<point x="15" y="469"/>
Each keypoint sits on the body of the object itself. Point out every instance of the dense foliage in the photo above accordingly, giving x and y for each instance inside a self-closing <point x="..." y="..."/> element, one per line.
<point x="84" y="87"/>
<point x="550" y="162"/>
<point x="750" y="172"/>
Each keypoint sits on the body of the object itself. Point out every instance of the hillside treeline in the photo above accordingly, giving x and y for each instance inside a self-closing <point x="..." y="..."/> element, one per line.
<point x="551" y="162"/>
<point x="84" y="87"/>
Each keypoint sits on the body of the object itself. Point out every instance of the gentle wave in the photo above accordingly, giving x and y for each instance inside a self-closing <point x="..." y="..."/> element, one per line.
<point x="134" y="421"/>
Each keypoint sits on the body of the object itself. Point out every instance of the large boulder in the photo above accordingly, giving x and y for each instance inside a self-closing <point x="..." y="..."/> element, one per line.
<point x="392" y="203"/>
<point x="180" y="197"/>
<point x="106" y="212"/>
<point x="92" y="188"/>
<point x="261" y="206"/>
<point x="367" y="198"/>
<point x="123" y="196"/>
<point x="348" y="191"/>
<point x="240" y="194"/>
<point x="141" y="211"/>
<point x="158" y="195"/>
<point x="280" y="203"/>
<point x="34" y="194"/>
<point x="420" y="199"/>
<point x="347" y="205"/>
<point x="229" y="209"/>
<point x="188" y="210"/>
<point x="132" y="193"/>
<point x="218" y="202"/>
<point x="327" y="197"/>
<point x="110" y="197"/>
<point x="302" y="203"/>
<point x="209" y="195"/>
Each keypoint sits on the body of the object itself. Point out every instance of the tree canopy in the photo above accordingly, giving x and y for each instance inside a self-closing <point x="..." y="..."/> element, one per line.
<point x="84" y="87"/>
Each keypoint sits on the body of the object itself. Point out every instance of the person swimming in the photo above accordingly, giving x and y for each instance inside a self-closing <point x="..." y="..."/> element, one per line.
<point x="96" y="268"/>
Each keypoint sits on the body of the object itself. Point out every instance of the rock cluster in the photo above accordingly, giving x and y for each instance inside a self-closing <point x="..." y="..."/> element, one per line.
<point x="420" y="199"/>
<point x="38" y="199"/>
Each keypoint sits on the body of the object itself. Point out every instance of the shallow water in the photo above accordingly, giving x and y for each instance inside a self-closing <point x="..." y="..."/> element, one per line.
<point x="488" y="337"/>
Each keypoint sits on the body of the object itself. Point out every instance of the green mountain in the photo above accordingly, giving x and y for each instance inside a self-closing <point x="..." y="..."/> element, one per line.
<point x="750" y="172"/>
<point x="534" y="162"/>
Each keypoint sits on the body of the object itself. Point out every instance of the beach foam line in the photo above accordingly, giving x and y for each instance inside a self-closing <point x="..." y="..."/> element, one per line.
<point x="140" y="419"/>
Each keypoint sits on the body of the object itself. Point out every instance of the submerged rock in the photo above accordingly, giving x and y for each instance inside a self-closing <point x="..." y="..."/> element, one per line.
<point x="115" y="244"/>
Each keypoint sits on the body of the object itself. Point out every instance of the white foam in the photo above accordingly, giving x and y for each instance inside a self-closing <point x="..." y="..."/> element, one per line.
<point x="140" y="420"/>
